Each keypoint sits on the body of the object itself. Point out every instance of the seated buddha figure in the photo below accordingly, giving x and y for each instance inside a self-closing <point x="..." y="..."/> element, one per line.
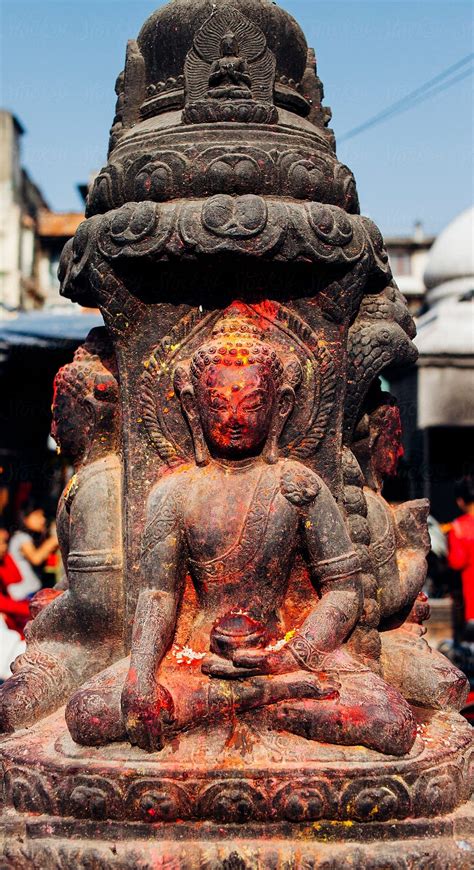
<point x="77" y="629"/>
<point x="399" y="545"/>
<point x="229" y="75"/>
<point x="234" y="520"/>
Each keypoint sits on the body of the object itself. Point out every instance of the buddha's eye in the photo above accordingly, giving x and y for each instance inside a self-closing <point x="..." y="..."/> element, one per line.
<point x="253" y="402"/>
<point x="217" y="402"/>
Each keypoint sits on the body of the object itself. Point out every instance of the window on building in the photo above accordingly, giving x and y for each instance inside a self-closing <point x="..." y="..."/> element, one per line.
<point x="400" y="262"/>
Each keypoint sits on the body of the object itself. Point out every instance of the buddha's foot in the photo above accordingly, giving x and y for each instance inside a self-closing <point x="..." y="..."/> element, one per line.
<point x="94" y="713"/>
<point x="100" y="712"/>
<point x="40" y="684"/>
<point x="422" y="675"/>
<point x="368" y="713"/>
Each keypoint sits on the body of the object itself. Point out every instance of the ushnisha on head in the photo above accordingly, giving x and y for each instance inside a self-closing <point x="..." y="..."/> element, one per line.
<point x="237" y="391"/>
<point x="85" y="402"/>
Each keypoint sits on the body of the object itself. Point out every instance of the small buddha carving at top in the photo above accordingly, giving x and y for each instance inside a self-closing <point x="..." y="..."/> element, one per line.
<point x="229" y="76"/>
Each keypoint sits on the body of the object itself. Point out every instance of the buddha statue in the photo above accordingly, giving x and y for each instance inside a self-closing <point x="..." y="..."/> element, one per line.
<point x="229" y="75"/>
<point x="234" y="521"/>
<point x="77" y="631"/>
<point x="399" y="545"/>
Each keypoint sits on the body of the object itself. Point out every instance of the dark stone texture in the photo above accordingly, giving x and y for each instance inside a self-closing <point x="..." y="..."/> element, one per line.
<point x="240" y="649"/>
<point x="176" y="24"/>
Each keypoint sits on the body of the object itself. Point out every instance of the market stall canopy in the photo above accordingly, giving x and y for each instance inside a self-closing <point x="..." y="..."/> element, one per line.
<point x="46" y="330"/>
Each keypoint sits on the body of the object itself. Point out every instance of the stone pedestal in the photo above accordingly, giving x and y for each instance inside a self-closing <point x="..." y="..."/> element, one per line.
<point x="239" y="796"/>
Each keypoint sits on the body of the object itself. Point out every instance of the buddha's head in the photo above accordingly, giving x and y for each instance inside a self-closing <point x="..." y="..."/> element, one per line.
<point x="85" y="402"/>
<point x="241" y="387"/>
<point x="378" y="441"/>
<point x="229" y="46"/>
<point x="386" y="435"/>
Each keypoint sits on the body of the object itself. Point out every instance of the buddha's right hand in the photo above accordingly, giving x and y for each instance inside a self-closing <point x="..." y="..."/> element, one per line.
<point x="146" y="710"/>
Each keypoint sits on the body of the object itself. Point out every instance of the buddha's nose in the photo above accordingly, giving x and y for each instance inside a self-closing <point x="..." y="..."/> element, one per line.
<point x="234" y="421"/>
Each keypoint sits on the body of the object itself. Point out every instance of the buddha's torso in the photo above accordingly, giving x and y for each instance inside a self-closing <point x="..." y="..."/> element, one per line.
<point x="241" y="535"/>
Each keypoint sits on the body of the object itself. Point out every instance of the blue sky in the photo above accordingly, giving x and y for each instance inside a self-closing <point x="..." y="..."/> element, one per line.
<point x="60" y="59"/>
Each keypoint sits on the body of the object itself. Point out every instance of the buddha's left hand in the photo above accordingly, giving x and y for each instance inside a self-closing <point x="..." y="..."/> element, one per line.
<point x="262" y="661"/>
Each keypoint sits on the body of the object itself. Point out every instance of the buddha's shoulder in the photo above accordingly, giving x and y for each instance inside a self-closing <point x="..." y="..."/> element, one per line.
<point x="299" y="484"/>
<point x="171" y="483"/>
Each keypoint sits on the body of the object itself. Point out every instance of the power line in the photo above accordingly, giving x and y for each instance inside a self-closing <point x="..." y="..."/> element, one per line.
<point x="423" y="97"/>
<point x="421" y="93"/>
<point x="442" y="87"/>
<point x="406" y="101"/>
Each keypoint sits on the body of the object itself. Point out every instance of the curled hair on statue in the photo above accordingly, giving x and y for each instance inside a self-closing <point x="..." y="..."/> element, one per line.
<point x="237" y="340"/>
<point x="236" y="344"/>
<point x="99" y="349"/>
<point x="92" y="374"/>
<point x="87" y="391"/>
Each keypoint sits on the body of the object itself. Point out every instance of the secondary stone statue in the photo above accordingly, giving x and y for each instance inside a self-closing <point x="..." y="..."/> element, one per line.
<point x="399" y="544"/>
<point x="236" y="674"/>
<point x="80" y="630"/>
<point x="234" y="520"/>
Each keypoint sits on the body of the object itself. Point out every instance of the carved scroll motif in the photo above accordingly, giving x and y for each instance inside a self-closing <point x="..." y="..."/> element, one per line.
<point x="159" y="365"/>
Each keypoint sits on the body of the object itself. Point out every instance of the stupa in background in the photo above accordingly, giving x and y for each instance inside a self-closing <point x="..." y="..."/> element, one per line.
<point x="235" y="675"/>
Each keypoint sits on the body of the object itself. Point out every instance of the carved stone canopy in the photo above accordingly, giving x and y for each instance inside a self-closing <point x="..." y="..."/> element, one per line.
<point x="179" y="23"/>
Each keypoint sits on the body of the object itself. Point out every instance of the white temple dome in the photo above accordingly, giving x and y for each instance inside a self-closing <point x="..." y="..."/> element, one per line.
<point x="446" y="330"/>
<point x="450" y="267"/>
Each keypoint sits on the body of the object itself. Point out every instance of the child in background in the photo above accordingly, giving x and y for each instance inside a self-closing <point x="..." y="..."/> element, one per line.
<point x="30" y="547"/>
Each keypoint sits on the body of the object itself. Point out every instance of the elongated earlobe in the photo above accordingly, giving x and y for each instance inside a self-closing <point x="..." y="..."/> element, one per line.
<point x="188" y="403"/>
<point x="283" y="408"/>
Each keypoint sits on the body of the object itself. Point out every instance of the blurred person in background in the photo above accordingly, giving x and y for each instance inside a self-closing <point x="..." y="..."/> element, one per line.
<point x="30" y="548"/>
<point x="461" y="548"/>
<point x="13" y="614"/>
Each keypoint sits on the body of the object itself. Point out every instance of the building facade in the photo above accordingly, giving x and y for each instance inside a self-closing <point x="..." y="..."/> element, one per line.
<point x="437" y="397"/>
<point x="31" y="234"/>
<point x="408" y="257"/>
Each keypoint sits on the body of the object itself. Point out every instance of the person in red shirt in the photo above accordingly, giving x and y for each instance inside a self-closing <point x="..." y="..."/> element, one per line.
<point x="15" y="613"/>
<point x="461" y="547"/>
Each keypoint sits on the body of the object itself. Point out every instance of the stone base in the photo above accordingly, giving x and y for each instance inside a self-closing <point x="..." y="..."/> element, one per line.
<point x="238" y="797"/>
<point x="435" y="844"/>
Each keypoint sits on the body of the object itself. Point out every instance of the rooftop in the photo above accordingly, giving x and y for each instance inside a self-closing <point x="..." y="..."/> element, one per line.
<point x="58" y="224"/>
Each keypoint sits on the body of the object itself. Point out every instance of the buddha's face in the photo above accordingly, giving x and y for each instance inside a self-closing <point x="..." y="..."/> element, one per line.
<point x="387" y="449"/>
<point x="229" y="45"/>
<point x="236" y="404"/>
